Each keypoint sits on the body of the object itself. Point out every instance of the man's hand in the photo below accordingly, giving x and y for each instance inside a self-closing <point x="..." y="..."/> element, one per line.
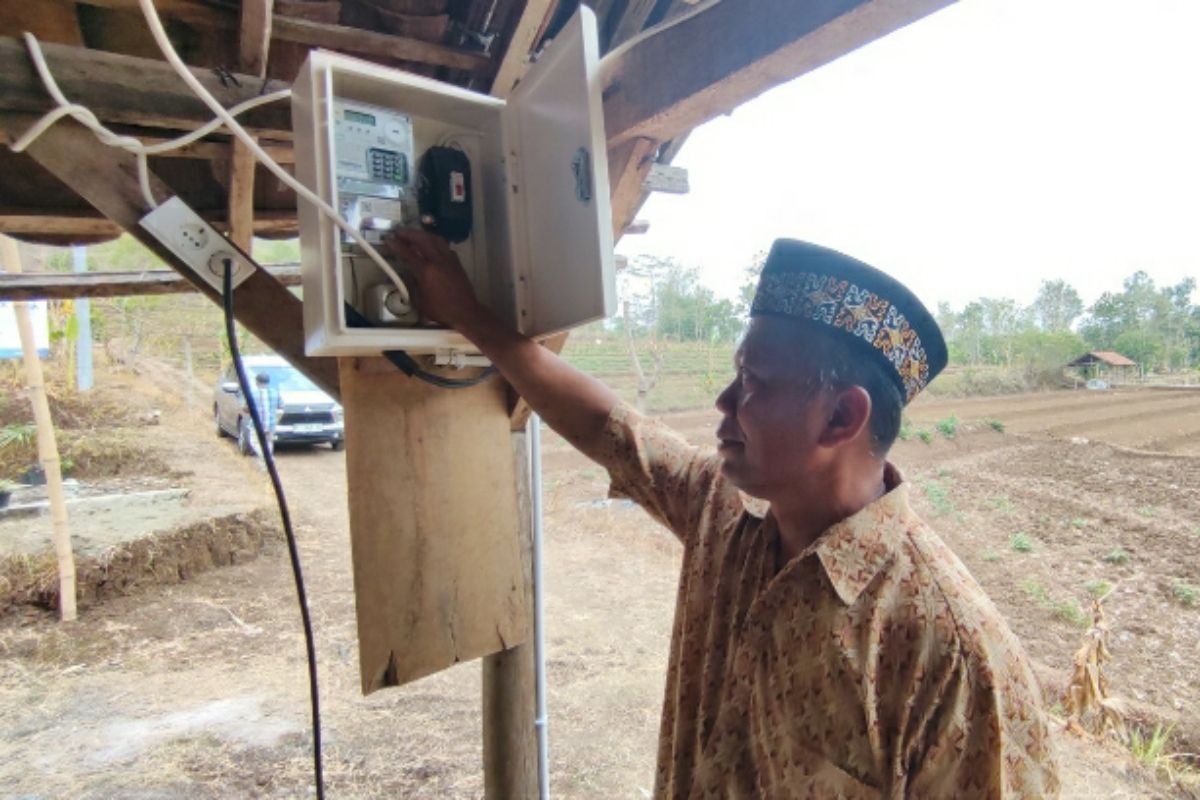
<point x="435" y="278"/>
<point x="574" y="404"/>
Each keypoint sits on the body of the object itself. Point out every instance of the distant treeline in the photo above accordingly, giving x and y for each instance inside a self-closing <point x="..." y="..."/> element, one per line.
<point x="1158" y="327"/>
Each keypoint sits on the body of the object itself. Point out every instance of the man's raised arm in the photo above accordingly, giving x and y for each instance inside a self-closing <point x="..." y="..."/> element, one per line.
<point x="574" y="404"/>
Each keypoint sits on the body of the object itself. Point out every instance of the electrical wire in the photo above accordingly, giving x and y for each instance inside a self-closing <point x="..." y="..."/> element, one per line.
<point x="172" y="57"/>
<point x="85" y="116"/>
<point x="285" y="515"/>
<point x="408" y="365"/>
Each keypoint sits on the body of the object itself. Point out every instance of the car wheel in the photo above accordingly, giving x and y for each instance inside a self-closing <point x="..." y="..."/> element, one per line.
<point x="337" y="445"/>
<point x="244" y="434"/>
<point x="217" y="423"/>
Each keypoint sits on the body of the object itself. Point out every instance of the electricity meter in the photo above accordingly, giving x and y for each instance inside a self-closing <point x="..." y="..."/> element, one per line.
<point x="373" y="161"/>
<point x="519" y="187"/>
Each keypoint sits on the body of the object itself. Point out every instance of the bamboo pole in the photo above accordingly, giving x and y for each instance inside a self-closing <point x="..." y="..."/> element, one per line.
<point x="10" y="259"/>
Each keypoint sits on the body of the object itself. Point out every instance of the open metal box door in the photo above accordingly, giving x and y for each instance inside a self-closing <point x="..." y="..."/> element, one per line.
<point x="562" y="228"/>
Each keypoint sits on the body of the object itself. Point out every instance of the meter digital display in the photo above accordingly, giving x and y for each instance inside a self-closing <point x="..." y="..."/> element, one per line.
<point x="357" y="116"/>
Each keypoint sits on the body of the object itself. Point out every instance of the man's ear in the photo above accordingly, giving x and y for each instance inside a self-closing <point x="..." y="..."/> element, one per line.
<point x="849" y="415"/>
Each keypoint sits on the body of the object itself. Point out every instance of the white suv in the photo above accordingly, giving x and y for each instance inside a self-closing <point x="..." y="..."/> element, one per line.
<point x="306" y="415"/>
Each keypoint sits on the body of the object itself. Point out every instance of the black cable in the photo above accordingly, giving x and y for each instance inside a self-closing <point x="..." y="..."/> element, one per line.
<point x="408" y="365"/>
<point x="293" y="550"/>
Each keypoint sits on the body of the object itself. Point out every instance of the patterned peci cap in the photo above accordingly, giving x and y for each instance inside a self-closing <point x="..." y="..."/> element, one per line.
<point x="808" y="282"/>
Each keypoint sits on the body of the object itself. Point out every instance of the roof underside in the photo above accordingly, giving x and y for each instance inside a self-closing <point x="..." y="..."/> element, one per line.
<point x="462" y="42"/>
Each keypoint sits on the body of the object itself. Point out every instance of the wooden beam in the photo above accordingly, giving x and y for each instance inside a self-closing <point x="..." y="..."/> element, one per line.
<point x="353" y="41"/>
<point x="666" y="179"/>
<point x="31" y="223"/>
<point x="107" y="178"/>
<point x="136" y="91"/>
<point x="631" y="22"/>
<point x="189" y="11"/>
<point x="375" y="45"/>
<point x="253" y="46"/>
<point x="628" y="165"/>
<point x="70" y="285"/>
<point x="516" y="57"/>
<point x="712" y="60"/>
<point x="283" y="153"/>
<point x="255" y="36"/>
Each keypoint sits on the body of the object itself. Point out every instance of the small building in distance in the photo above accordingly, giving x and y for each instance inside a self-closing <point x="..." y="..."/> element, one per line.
<point x="1105" y="365"/>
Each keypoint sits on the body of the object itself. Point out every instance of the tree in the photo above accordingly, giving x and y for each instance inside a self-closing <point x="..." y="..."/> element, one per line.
<point x="1057" y="306"/>
<point x="1141" y="346"/>
<point x="1175" y="319"/>
<point x="1001" y="321"/>
<point x="750" y="275"/>
<point x="1105" y="321"/>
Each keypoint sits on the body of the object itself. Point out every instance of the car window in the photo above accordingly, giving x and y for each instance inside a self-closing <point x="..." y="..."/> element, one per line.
<point x="285" y="378"/>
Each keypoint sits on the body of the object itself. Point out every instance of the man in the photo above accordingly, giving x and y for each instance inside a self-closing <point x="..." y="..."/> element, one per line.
<point x="266" y="403"/>
<point x="833" y="647"/>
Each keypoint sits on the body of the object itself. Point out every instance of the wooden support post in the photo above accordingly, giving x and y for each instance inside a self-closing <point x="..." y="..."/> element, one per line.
<point x="509" y="702"/>
<point x="46" y="444"/>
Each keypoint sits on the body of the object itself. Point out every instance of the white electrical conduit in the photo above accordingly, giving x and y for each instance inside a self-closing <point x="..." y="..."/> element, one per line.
<point x="541" y="720"/>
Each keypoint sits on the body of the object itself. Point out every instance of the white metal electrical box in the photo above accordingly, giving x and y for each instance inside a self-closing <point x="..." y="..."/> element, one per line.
<point x="527" y="179"/>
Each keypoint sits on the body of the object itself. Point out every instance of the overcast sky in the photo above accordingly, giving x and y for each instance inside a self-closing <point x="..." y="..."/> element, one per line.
<point x="976" y="152"/>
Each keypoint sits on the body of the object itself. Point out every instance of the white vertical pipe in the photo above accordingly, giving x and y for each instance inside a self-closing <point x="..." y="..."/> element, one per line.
<point x="83" y="338"/>
<point x="541" y="721"/>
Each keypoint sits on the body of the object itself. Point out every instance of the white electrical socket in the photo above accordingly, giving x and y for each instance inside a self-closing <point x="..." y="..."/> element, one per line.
<point x="182" y="231"/>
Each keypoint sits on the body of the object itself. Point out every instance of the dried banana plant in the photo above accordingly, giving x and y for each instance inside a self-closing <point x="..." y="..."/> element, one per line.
<point x="1091" y="710"/>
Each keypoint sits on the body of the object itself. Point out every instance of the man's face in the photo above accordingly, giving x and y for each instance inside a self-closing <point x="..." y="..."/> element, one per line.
<point x="772" y="413"/>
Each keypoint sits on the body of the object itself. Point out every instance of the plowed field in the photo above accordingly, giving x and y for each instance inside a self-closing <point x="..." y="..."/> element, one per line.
<point x="1160" y="420"/>
<point x="197" y="689"/>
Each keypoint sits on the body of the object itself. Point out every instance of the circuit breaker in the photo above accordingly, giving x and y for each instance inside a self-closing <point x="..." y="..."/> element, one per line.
<point x="519" y="187"/>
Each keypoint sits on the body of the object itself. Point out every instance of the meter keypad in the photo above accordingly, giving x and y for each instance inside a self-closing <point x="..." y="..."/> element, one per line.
<point x="387" y="165"/>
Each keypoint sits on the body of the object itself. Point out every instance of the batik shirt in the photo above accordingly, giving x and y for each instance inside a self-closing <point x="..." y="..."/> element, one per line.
<point x="870" y="665"/>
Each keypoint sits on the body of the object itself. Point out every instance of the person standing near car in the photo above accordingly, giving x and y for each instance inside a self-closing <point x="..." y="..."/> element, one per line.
<point x="266" y="402"/>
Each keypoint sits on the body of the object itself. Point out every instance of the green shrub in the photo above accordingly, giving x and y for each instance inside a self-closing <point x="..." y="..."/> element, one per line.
<point x="925" y="436"/>
<point x="1098" y="588"/>
<point x="990" y="555"/>
<point x="1066" y="610"/>
<point x="1185" y="593"/>
<point x="1072" y="612"/>
<point x="948" y="427"/>
<point x="939" y="498"/>
<point x="1117" y="556"/>
<point x="995" y="425"/>
<point x="1148" y="750"/>
<point x="1147" y="511"/>
<point x="1021" y="542"/>
<point x="906" y="429"/>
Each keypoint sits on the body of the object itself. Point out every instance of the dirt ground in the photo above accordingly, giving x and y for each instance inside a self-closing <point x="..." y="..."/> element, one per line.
<point x="198" y="689"/>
